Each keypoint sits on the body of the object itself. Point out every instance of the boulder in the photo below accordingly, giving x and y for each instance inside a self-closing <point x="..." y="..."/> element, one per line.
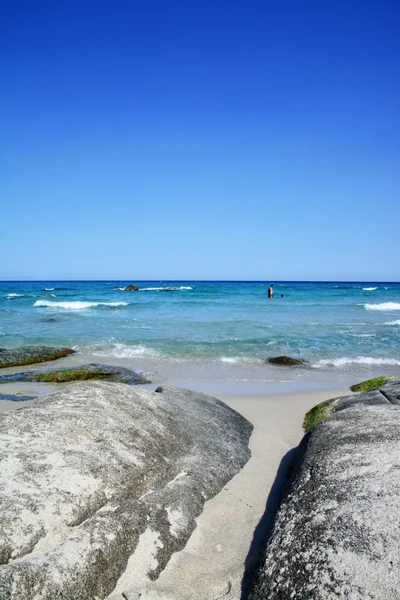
<point x="80" y="373"/>
<point x="337" y="533"/>
<point x="27" y="355"/>
<point x="286" y="361"/>
<point x="100" y="479"/>
<point x="132" y="288"/>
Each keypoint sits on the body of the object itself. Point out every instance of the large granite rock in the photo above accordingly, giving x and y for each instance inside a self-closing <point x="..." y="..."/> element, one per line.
<point x="27" y="355"/>
<point x="96" y="474"/>
<point x="337" y="532"/>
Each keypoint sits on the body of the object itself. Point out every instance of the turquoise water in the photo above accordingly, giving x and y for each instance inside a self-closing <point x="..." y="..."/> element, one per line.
<point x="209" y="328"/>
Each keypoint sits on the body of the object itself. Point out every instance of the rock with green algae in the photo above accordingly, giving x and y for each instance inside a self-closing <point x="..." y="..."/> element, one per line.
<point x="80" y="373"/>
<point x="286" y="361"/>
<point x="27" y="355"/>
<point x="318" y="413"/>
<point x="370" y="384"/>
<point x="336" y="532"/>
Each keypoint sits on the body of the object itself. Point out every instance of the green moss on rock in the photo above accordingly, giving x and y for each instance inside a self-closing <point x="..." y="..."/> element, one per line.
<point x="370" y="384"/>
<point x="74" y="374"/>
<point x="319" y="413"/>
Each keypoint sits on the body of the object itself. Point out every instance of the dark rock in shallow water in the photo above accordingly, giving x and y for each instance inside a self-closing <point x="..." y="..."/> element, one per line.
<point x="27" y="355"/>
<point x="16" y="397"/>
<point x="132" y="288"/>
<point x="81" y="373"/>
<point x="336" y="533"/>
<point x="287" y="361"/>
<point x="90" y="468"/>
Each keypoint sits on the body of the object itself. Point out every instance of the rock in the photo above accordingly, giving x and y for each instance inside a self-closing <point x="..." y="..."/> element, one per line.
<point x="132" y="288"/>
<point x="287" y="361"/>
<point x="388" y="394"/>
<point x="16" y="397"/>
<point x="370" y="384"/>
<point x="336" y="533"/>
<point x="98" y="474"/>
<point x="27" y="355"/>
<point x="81" y="373"/>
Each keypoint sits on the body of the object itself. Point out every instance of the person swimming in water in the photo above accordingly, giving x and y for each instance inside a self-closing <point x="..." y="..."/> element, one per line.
<point x="271" y="291"/>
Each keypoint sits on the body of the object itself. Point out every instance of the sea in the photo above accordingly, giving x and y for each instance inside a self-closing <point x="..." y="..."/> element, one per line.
<point x="203" y="331"/>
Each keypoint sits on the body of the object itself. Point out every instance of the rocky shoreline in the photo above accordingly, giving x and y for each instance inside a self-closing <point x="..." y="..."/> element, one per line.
<point x="101" y="484"/>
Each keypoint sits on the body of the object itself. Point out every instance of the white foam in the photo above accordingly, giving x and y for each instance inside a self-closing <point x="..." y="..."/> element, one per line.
<point x="360" y="360"/>
<point x="48" y="289"/>
<point x="397" y="322"/>
<point x="76" y="305"/>
<point x="183" y="287"/>
<point x="383" y="306"/>
<point x="150" y="289"/>
<point x="120" y="350"/>
<point x="239" y="359"/>
<point x="9" y="296"/>
<point x="370" y="289"/>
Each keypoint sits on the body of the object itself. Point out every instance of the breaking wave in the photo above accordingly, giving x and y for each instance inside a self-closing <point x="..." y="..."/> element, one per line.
<point x="383" y="306"/>
<point x="76" y="305"/>
<point x="370" y="289"/>
<point x="120" y="350"/>
<point x="359" y="360"/>
<point x="13" y="296"/>
<point x="397" y="322"/>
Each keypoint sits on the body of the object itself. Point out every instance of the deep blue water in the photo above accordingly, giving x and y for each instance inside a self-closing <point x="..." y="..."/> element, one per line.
<point x="334" y="325"/>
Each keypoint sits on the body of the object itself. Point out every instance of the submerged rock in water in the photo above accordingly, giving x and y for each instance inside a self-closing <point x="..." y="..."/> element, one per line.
<point x="91" y="469"/>
<point x="287" y="361"/>
<point x="16" y="397"/>
<point x="81" y="373"/>
<point x="131" y="288"/>
<point x="27" y="355"/>
<point x="336" y="533"/>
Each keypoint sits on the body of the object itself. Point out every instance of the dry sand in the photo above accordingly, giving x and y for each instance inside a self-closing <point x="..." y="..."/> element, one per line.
<point x="231" y="529"/>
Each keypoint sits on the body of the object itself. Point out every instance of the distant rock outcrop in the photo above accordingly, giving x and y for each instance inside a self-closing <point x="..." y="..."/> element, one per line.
<point x="27" y="355"/>
<point x="80" y="373"/>
<point x="337" y="534"/>
<point x="98" y="474"/>
<point x="286" y="361"/>
<point x="132" y="288"/>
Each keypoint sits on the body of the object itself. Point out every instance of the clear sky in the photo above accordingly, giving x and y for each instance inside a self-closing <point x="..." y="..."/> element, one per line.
<point x="200" y="139"/>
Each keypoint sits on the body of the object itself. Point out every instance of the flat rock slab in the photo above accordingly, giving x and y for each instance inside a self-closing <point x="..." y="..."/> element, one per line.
<point x="337" y="532"/>
<point x="97" y="479"/>
<point x="80" y="373"/>
<point x="27" y="355"/>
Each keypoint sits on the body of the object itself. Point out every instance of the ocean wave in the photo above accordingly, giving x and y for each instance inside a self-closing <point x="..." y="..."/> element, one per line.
<point x="370" y="289"/>
<point x="160" y="289"/>
<point x="383" y="306"/>
<point x="76" y="305"/>
<point x="358" y="360"/>
<point x="397" y="322"/>
<point x="240" y="359"/>
<point x="120" y="350"/>
<point x="48" y="289"/>
<point x="13" y="296"/>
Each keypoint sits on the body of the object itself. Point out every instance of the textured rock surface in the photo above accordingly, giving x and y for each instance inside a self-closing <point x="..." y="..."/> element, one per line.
<point x="337" y="532"/>
<point x="286" y="361"/>
<point x="80" y="373"/>
<point x="98" y="474"/>
<point x="27" y="355"/>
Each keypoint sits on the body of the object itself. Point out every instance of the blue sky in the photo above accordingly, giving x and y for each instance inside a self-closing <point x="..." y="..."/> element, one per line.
<point x="200" y="140"/>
